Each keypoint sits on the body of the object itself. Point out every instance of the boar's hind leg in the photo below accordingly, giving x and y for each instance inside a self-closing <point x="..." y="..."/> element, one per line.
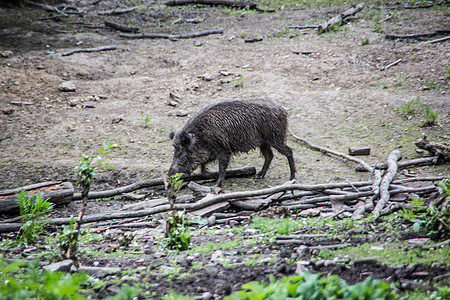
<point x="223" y="164"/>
<point x="287" y="151"/>
<point x="268" y="155"/>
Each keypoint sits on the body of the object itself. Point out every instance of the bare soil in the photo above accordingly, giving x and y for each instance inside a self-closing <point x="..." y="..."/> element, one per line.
<point x="338" y="95"/>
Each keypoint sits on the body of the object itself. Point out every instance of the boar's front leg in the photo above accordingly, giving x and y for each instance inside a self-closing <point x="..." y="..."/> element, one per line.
<point x="223" y="159"/>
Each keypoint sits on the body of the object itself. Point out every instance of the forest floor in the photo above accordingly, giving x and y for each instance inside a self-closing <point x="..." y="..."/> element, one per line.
<point x="335" y="87"/>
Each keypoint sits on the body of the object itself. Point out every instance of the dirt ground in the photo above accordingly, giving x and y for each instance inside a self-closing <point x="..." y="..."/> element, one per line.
<point x="333" y="85"/>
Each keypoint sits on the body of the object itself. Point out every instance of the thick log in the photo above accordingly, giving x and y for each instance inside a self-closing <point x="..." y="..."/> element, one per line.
<point x="59" y="193"/>
<point x="171" y="36"/>
<point x="386" y="181"/>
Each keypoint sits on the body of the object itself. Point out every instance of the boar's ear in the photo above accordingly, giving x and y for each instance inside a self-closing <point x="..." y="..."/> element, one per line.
<point x="186" y="139"/>
<point x="171" y="135"/>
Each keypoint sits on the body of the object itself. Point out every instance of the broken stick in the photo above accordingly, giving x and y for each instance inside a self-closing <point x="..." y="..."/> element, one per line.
<point x="117" y="11"/>
<point x="98" y="49"/>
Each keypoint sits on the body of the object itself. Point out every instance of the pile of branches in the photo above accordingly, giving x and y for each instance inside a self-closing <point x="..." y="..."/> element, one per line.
<point x="380" y="195"/>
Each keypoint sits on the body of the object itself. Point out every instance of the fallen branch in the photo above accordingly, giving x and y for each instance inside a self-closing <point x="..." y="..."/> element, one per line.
<point x="339" y="19"/>
<point x="417" y="35"/>
<point x="240" y="172"/>
<point x="365" y="166"/>
<point x="230" y="3"/>
<point x="405" y="164"/>
<point x="171" y="36"/>
<point x="385" y="182"/>
<point x="117" y="11"/>
<point x="391" y="64"/>
<point x="438" y="40"/>
<point x="98" y="49"/>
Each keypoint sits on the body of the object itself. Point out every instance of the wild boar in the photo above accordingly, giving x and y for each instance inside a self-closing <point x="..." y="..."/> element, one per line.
<point x="220" y="130"/>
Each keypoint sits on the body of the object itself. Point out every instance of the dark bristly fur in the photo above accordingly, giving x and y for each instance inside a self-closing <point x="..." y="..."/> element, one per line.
<point x="219" y="130"/>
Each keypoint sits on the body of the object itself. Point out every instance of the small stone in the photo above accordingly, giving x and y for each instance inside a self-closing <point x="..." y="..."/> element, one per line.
<point x="40" y="67"/>
<point x="216" y="255"/>
<point x="116" y="120"/>
<point x="67" y="86"/>
<point x="312" y="212"/>
<point x="8" y="110"/>
<point x="6" y="54"/>
<point x="206" y="77"/>
<point x="100" y="271"/>
<point x="206" y="296"/>
<point x="182" y="113"/>
<point x="61" y="266"/>
<point x="301" y="266"/>
<point x="377" y="248"/>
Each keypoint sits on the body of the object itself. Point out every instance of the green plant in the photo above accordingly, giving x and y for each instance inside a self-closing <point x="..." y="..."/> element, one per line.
<point x="411" y="214"/>
<point x="33" y="211"/>
<point x="239" y="82"/>
<point x="27" y="281"/>
<point x="365" y="42"/>
<point x="430" y="116"/>
<point x="411" y="107"/>
<point x="429" y="85"/>
<point x="314" y="286"/>
<point x="399" y="79"/>
<point x="85" y="172"/>
<point x="177" y="228"/>
<point x="147" y="120"/>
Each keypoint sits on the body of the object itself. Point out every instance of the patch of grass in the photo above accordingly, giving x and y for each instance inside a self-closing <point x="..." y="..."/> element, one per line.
<point x="430" y="116"/>
<point x="429" y="84"/>
<point x="210" y="247"/>
<point x="411" y="107"/>
<point x="33" y="212"/>
<point x="365" y="42"/>
<point x="281" y="226"/>
<point x="280" y="33"/>
<point x="394" y="254"/>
